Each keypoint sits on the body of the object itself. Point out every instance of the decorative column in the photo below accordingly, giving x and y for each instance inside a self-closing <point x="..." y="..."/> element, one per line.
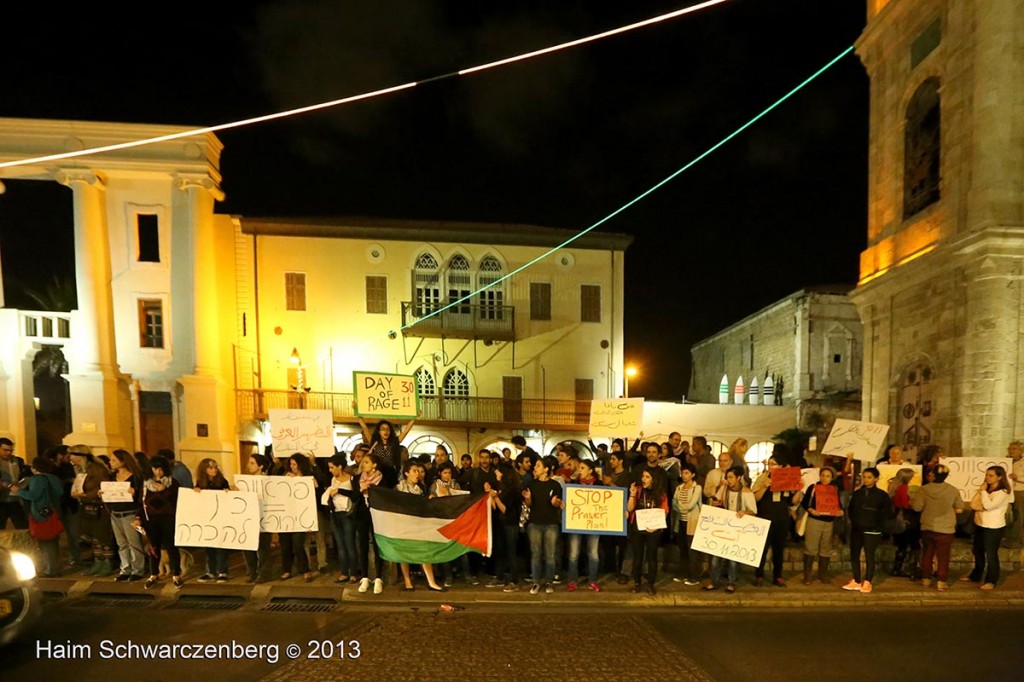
<point x="207" y="406"/>
<point x="101" y="409"/>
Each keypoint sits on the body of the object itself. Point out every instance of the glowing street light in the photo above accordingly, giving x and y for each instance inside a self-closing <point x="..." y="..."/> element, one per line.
<point x="630" y="373"/>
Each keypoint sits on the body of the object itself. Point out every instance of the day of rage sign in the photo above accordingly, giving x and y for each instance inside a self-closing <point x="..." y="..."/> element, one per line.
<point x="391" y="396"/>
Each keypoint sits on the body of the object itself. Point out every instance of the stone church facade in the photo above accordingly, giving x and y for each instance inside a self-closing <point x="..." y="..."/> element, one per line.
<point x="940" y="281"/>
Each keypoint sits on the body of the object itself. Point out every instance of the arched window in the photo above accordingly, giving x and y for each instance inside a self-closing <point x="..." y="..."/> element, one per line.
<point x="459" y="281"/>
<point x="426" y="294"/>
<point x="492" y="299"/>
<point x="456" y="384"/>
<point x="757" y="455"/>
<point x="426" y="445"/>
<point x="425" y="382"/>
<point x="922" y="149"/>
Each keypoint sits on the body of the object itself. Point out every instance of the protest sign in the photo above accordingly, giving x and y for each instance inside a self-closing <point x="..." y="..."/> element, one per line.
<point x="286" y="503"/>
<point x="720" y="532"/>
<point x="116" y="491"/>
<point x="651" y="519"/>
<point x="310" y="432"/>
<point x="826" y="500"/>
<point x="79" y="485"/>
<point x="594" y="510"/>
<point x="616" y="416"/>
<point x="217" y="518"/>
<point x="887" y="472"/>
<point x="863" y="439"/>
<point x="966" y="474"/>
<point x="386" y="396"/>
<point x="786" y="479"/>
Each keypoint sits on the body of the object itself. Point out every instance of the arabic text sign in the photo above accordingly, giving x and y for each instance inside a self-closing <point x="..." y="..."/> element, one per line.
<point x="287" y="503"/>
<point x="616" y="417"/>
<point x="887" y="472"/>
<point x="594" y="510"/>
<point x="720" y="532"/>
<point x="809" y="476"/>
<point x="387" y="396"/>
<point x="966" y="474"/>
<point x="217" y="518"/>
<point x="116" y="491"/>
<point x="305" y="431"/>
<point x="786" y="479"/>
<point x="826" y="500"/>
<point x="863" y="439"/>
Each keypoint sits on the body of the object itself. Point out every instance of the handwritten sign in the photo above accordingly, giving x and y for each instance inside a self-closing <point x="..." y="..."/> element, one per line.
<point x="887" y="472"/>
<point x="826" y="500"/>
<point x="736" y="538"/>
<point x="651" y="519"/>
<point x="310" y="432"/>
<point x="966" y="474"/>
<point x="79" y="485"/>
<point x="217" y="518"/>
<point x="863" y="439"/>
<point x="116" y="491"/>
<point x="388" y="396"/>
<point x="287" y="504"/>
<point x="616" y="416"/>
<point x="786" y="479"/>
<point x="809" y="477"/>
<point x="594" y="510"/>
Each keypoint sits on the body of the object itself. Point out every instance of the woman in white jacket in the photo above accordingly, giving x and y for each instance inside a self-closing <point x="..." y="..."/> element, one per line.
<point x="989" y="505"/>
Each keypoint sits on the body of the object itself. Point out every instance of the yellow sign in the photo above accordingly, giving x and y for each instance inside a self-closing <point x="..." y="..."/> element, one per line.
<point x="387" y="396"/>
<point x="594" y="510"/>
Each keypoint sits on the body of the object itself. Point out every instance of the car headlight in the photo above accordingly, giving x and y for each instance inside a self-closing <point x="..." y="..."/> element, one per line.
<point x="23" y="566"/>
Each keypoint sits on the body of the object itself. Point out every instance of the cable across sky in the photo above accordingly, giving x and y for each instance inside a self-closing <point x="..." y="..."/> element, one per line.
<point x="367" y="95"/>
<point x="639" y="197"/>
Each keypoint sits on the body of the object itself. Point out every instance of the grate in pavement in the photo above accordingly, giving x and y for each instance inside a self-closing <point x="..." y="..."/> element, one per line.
<point x="207" y="603"/>
<point x="114" y="602"/>
<point x="286" y="605"/>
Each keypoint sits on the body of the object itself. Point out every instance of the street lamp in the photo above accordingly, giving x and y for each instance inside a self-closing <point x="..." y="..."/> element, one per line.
<point x="630" y="372"/>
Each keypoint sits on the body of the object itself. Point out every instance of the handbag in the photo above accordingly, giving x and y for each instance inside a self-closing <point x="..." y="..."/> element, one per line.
<point x="47" y="529"/>
<point x="91" y="510"/>
<point x="801" y="524"/>
<point x="524" y="515"/>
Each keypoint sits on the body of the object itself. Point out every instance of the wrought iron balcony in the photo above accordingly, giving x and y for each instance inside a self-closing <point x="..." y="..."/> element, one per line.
<point x="527" y="413"/>
<point x="463" y="321"/>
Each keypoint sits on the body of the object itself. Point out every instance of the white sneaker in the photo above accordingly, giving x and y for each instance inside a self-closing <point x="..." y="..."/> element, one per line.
<point x="378" y="585"/>
<point x="364" y="585"/>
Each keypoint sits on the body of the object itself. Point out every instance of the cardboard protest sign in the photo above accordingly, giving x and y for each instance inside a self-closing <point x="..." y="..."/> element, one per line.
<point x="809" y="476"/>
<point x="966" y="474"/>
<point x="79" y="485"/>
<point x="310" y="432"/>
<point x="651" y="519"/>
<point x="863" y="439"/>
<point x="616" y="416"/>
<point x="720" y="532"/>
<point x="287" y="504"/>
<point x="116" y="491"/>
<point x="887" y="472"/>
<point x="786" y="479"/>
<point x="386" y="396"/>
<point x="217" y="518"/>
<point x="594" y="510"/>
<point x="826" y="500"/>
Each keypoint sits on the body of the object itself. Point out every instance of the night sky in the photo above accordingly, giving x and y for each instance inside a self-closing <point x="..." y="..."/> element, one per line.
<point x="560" y="140"/>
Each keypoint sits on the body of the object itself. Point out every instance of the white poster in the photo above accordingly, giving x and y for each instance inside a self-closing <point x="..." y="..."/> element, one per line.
<point x="622" y="417"/>
<point x="720" y="532"/>
<point x="310" y="432"/>
<point x="651" y="519"/>
<point x="810" y="476"/>
<point x="79" y="485"/>
<point x="116" y="491"/>
<point x="864" y="439"/>
<point x="967" y="474"/>
<point x="217" y="518"/>
<point x="287" y="503"/>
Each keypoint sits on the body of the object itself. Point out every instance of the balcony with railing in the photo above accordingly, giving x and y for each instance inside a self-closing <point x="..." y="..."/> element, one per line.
<point x="463" y="321"/>
<point x="526" y="413"/>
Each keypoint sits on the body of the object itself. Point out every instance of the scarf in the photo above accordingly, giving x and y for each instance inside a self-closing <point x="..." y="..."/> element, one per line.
<point x="151" y="483"/>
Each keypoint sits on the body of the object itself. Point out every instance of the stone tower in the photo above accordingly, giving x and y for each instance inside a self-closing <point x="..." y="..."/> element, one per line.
<point x="940" y="281"/>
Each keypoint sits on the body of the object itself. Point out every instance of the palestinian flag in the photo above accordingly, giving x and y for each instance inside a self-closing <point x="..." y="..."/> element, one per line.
<point x="412" y="529"/>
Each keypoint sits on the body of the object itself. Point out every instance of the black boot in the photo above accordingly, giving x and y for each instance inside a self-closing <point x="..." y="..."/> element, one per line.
<point x="823" y="576"/>
<point x="913" y="565"/>
<point x="897" y="564"/>
<point x="808" y="568"/>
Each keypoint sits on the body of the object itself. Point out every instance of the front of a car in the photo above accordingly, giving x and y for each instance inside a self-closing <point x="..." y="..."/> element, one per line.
<point x="20" y="601"/>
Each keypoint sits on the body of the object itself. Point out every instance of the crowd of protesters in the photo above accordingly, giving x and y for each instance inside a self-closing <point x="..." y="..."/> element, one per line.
<point x="134" y="539"/>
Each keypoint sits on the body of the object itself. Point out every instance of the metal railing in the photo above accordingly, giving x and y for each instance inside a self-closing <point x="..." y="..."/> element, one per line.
<point x="463" y="321"/>
<point x="524" y="413"/>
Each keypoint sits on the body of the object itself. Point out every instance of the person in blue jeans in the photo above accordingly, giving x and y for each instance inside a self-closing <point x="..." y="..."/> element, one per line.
<point x="544" y="497"/>
<point x="209" y="477"/>
<point x="338" y="498"/>
<point x="735" y="496"/>
<point x="588" y="476"/>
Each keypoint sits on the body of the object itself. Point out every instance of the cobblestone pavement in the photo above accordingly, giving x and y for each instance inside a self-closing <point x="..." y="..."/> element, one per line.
<point x="423" y="646"/>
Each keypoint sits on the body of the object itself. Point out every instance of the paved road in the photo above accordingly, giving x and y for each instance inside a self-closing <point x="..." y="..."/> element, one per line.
<point x="523" y="643"/>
